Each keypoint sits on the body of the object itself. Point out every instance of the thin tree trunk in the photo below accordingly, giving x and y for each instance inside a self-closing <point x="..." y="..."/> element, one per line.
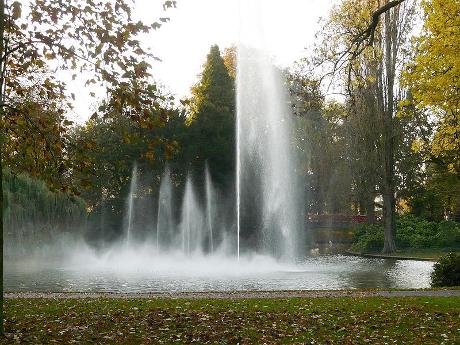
<point x="2" y="134"/>
<point x="1" y="225"/>
<point x="389" y="222"/>
<point x="456" y="210"/>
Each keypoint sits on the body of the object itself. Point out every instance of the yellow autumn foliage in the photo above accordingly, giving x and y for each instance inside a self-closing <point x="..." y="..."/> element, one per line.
<point x="434" y="76"/>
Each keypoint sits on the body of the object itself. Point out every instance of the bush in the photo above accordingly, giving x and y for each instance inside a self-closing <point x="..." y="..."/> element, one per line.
<point x="448" y="235"/>
<point x="446" y="271"/>
<point x="368" y="238"/>
<point x="411" y="232"/>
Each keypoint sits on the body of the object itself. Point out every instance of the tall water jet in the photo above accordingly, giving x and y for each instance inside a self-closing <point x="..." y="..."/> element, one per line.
<point x="191" y="220"/>
<point x="165" y="211"/>
<point x="132" y="192"/>
<point x="269" y="208"/>
<point x="210" y="201"/>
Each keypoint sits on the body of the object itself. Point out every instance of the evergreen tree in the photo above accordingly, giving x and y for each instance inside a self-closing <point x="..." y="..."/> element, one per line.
<point x="211" y="133"/>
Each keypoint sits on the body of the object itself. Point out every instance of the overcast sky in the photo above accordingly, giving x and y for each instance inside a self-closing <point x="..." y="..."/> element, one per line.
<point x="183" y="43"/>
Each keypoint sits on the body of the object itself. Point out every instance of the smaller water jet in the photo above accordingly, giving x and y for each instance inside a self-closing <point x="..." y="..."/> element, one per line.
<point x="191" y="220"/>
<point x="210" y="201"/>
<point x="164" y="228"/>
<point x="132" y="192"/>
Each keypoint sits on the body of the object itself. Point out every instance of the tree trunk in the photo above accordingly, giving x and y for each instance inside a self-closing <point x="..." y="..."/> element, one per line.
<point x="370" y="209"/>
<point x="389" y="217"/>
<point x="2" y="134"/>
<point x="1" y="224"/>
<point x="388" y="187"/>
<point x="456" y="210"/>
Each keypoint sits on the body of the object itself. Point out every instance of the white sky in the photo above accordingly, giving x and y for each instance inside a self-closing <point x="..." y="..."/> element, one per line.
<point x="184" y="42"/>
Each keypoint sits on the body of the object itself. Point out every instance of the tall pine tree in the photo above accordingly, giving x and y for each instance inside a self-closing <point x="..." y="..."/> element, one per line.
<point x="211" y="132"/>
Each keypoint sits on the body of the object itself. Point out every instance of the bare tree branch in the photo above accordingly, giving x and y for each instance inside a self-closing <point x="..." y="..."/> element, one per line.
<point x="367" y="37"/>
<point x="360" y="42"/>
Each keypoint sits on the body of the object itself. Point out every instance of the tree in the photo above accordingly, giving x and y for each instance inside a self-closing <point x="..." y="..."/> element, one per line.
<point x="101" y="38"/>
<point x="433" y="75"/>
<point x="36" y="130"/>
<point x="364" y="147"/>
<point x="35" y="215"/>
<point x="436" y="197"/>
<point x="321" y="137"/>
<point x="366" y="35"/>
<point x="116" y="142"/>
<point x="211" y="122"/>
<point x="433" y="78"/>
<point x="230" y="60"/>
<point x="345" y="49"/>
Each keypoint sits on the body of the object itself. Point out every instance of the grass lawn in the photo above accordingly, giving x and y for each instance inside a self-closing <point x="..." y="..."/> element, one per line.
<point x="369" y="320"/>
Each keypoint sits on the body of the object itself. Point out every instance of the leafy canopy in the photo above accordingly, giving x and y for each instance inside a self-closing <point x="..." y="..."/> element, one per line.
<point x="434" y="76"/>
<point x="101" y="38"/>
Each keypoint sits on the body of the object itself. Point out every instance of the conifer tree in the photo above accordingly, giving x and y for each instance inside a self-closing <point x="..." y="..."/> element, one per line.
<point x="211" y="132"/>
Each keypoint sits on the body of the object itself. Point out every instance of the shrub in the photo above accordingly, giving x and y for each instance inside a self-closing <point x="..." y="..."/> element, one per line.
<point x="414" y="232"/>
<point x="446" y="271"/>
<point x="448" y="235"/>
<point x="368" y="238"/>
<point x="411" y="232"/>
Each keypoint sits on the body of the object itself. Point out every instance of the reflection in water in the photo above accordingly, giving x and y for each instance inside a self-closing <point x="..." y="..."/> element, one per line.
<point x="218" y="274"/>
<point x="372" y="273"/>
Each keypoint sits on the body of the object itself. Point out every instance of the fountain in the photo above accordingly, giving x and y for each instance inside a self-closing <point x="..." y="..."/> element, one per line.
<point x="267" y="218"/>
<point x="192" y="221"/>
<point x="205" y="242"/>
<point x="132" y="192"/>
<point x="269" y="205"/>
<point x="165" y="221"/>
<point x="196" y="228"/>
<point x="210" y="202"/>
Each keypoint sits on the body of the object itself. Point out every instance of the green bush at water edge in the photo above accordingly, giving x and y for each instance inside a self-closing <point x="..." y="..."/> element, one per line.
<point x="446" y="271"/>
<point x="411" y="232"/>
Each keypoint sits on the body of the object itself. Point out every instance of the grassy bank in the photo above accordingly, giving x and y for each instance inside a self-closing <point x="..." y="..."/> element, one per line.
<point x="375" y="320"/>
<point x="429" y="254"/>
<point x="423" y="254"/>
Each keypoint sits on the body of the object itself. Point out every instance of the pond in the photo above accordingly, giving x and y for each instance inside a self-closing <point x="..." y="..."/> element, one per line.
<point x="200" y="274"/>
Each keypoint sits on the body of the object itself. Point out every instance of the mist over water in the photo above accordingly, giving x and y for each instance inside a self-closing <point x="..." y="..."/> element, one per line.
<point x="178" y="256"/>
<point x="142" y="271"/>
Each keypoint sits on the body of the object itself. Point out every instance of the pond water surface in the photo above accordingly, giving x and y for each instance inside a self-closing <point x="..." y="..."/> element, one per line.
<point x="216" y="274"/>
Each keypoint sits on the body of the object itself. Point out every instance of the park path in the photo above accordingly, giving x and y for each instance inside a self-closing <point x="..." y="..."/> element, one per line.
<point x="242" y="294"/>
